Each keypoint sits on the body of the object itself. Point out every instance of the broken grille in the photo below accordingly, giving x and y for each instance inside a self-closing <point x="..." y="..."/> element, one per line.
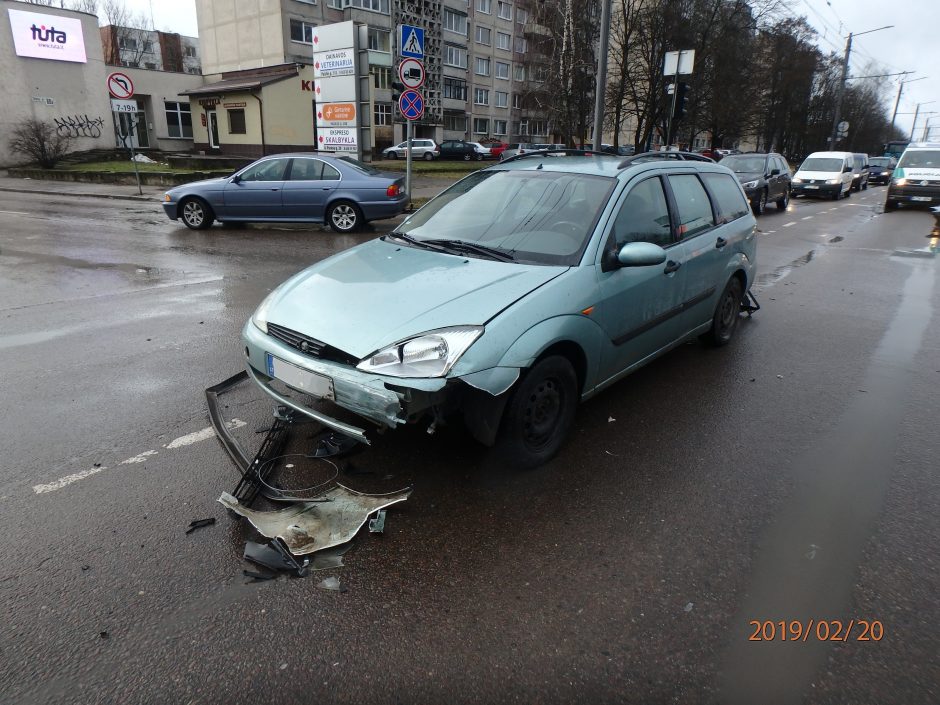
<point x="309" y="346"/>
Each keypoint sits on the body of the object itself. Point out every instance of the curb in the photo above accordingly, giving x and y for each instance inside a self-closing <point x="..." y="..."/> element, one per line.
<point x="80" y="194"/>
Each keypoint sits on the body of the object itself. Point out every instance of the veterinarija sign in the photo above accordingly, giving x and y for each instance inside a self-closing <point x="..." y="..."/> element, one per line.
<point x="47" y="36"/>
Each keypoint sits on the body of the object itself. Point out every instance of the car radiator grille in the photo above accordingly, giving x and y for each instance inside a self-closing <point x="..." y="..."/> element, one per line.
<point x="309" y="346"/>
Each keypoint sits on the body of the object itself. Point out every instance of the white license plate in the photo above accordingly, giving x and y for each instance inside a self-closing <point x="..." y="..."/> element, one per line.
<point x="300" y="379"/>
<point x="812" y="187"/>
<point x="921" y="198"/>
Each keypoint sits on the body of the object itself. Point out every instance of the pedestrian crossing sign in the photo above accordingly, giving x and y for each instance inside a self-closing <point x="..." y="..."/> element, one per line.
<point x="411" y="41"/>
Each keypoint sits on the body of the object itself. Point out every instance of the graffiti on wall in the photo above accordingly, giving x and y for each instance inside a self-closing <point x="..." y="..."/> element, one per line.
<point x="79" y="126"/>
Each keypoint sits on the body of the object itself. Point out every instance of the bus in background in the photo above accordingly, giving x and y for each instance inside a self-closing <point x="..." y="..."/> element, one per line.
<point x="895" y="148"/>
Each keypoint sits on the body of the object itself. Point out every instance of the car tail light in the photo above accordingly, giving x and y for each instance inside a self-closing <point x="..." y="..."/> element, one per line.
<point x="437" y="148"/>
<point x="393" y="191"/>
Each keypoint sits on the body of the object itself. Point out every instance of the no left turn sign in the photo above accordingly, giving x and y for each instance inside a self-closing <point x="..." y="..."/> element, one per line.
<point x="120" y="85"/>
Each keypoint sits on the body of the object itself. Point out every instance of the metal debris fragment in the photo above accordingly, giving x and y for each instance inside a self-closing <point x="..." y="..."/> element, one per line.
<point x="199" y="523"/>
<point x="377" y="522"/>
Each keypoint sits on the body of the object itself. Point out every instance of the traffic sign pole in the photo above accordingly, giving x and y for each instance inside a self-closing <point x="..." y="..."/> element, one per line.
<point x="408" y="140"/>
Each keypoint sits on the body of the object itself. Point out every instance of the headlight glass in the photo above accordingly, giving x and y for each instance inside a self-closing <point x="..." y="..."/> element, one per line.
<point x="750" y="184"/>
<point x="431" y="354"/>
<point x="900" y="182"/>
<point x="260" y="316"/>
<point x="797" y="180"/>
<point x="833" y="182"/>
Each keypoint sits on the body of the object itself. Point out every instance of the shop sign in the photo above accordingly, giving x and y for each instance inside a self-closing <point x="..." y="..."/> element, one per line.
<point x="47" y="36"/>
<point x="339" y="62"/>
<point x="335" y="139"/>
<point x="209" y="102"/>
<point x="336" y="115"/>
<point x="234" y="105"/>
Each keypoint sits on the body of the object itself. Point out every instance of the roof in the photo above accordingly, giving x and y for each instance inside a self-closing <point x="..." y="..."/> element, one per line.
<point x="245" y="81"/>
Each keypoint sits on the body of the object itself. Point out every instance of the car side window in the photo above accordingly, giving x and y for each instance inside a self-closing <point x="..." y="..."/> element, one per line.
<point x="329" y="173"/>
<point x="306" y="170"/>
<point x="727" y="193"/>
<point x="644" y="216"/>
<point x="270" y="170"/>
<point x="695" y="210"/>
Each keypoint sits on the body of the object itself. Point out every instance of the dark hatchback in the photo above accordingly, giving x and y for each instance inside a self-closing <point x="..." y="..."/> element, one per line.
<point x="458" y="149"/>
<point x="879" y="169"/>
<point x="764" y="178"/>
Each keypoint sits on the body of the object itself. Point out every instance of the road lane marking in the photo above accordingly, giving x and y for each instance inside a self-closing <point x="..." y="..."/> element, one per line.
<point x="16" y="212"/>
<point x="807" y="217"/>
<point x="787" y="225"/>
<point x="180" y="442"/>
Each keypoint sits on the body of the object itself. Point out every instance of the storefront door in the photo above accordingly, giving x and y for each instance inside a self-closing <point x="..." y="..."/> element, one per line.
<point x="213" y="129"/>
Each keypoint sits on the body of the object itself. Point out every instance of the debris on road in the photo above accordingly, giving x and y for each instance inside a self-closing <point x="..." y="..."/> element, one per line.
<point x="330" y="443"/>
<point x="199" y="523"/>
<point x="275" y="557"/>
<point x="377" y="522"/>
<point x="331" y="583"/>
<point x="257" y="577"/>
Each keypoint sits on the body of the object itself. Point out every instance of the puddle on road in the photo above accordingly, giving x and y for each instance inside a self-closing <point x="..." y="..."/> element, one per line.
<point x="770" y="278"/>
<point x="138" y="270"/>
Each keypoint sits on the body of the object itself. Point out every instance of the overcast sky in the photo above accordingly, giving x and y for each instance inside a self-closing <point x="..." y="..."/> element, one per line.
<point x="912" y="45"/>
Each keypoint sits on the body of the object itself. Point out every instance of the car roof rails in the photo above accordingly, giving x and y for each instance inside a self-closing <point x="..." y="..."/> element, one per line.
<point x="562" y="152"/>
<point x="684" y="156"/>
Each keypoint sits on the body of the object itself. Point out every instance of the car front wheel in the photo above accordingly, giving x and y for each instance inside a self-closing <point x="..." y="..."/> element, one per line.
<point x="783" y="202"/>
<point x="725" y="320"/>
<point x="196" y="213"/>
<point x="344" y="217"/>
<point x="393" y="155"/>
<point x="539" y="414"/>
<point x="761" y="203"/>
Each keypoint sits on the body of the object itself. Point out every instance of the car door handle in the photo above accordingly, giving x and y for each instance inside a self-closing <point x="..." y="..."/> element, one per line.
<point x="720" y="242"/>
<point x="275" y="189"/>
<point x="671" y="266"/>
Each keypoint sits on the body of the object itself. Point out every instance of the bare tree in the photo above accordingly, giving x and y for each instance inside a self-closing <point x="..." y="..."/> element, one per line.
<point x="126" y="36"/>
<point x="40" y="141"/>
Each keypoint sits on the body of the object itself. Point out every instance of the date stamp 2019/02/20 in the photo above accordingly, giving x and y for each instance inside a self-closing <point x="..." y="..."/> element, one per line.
<point x="818" y="630"/>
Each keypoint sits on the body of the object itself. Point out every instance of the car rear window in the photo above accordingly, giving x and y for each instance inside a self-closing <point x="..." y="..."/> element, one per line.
<point x="730" y="200"/>
<point x="695" y="210"/>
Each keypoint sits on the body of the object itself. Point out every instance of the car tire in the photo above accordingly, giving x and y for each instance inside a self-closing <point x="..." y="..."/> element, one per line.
<point x="760" y="205"/>
<point x="727" y="312"/>
<point x="865" y="186"/>
<point x="344" y="217"/>
<point x="782" y="203"/>
<point x="890" y="206"/>
<point x="196" y="213"/>
<point x="393" y="155"/>
<point x="837" y="195"/>
<point x="479" y="157"/>
<point x="428" y="156"/>
<point x="539" y="414"/>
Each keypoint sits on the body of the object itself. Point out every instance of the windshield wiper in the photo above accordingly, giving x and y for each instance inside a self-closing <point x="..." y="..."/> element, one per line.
<point x="472" y="247"/>
<point x="419" y="243"/>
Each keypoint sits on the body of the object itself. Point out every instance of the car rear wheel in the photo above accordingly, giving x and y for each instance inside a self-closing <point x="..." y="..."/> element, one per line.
<point x="466" y="157"/>
<point x="196" y="213"/>
<point x="782" y="203"/>
<point x="539" y="414"/>
<point x="725" y="320"/>
<point x="428" y="156"/>
<point x="479" y="157"/>
<point x="393" y="155"/>
<point x="344" y="217"/>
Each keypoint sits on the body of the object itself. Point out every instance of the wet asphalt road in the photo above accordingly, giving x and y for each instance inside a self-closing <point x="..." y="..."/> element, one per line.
<point x="789" y="476"/>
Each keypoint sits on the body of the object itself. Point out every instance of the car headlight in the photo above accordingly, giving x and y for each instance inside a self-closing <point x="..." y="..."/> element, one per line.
<point x="431" y="354"/>
<point x="750" y="184"/>
<point x="900" y="182"/>
<point x="260" y="316"/>
<point x="797" y="180"/>
<point x="833" y="182"/>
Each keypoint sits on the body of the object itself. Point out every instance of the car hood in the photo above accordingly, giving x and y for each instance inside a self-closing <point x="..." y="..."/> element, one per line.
<point x="380" y="293"/>
<point x="745" y="176"/>
<point x="221" y="181"/>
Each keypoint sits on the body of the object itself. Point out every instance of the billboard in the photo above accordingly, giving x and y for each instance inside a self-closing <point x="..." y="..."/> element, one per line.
<point x="47" y="36"/>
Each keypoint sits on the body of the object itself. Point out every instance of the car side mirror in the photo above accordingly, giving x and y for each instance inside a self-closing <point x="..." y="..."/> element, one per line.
<point x="236" y="179"/>
<point x="846" y="169"/>
<point x="641" y="254"/>
<point x="775" y="172"/>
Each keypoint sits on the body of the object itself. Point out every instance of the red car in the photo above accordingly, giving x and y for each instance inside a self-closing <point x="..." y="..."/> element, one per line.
<point x="496" y="148"/>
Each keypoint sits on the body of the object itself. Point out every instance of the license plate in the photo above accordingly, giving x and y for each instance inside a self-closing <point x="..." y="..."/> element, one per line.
<point x="812" y="187"/>
<point x="928" y="199"/>
<point x="300" y="379"/>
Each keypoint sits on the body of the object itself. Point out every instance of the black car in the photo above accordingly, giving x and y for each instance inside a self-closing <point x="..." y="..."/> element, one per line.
<point x="764" y="177"/>
<point x="458" y="149"/>
<point x="880" y="169"/>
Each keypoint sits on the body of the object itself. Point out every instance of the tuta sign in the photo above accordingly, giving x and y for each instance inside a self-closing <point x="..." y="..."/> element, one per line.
<point x="47" y="36"/>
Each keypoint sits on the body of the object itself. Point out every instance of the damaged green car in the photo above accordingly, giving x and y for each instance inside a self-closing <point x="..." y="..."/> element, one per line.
<point x="512" y="296"/>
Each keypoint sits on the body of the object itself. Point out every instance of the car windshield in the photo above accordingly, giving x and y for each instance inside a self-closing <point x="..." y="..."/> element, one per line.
<point x="925" y="158"/>
<point x="360" y="166"/>
<point x="826" y="164"/>
<point x="743" y="165"/>
<point x="880" y="161"/>
<point x="541" y="217"/>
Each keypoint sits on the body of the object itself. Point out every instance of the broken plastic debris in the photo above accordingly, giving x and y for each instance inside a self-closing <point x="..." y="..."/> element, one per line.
<point x="610" y="419"/>
<point x="333" y="443"/>
<point x="199" y="523"/>
<point x="331" y="583"/>
<point x="258" y="577"/>
<point x="688" y="607"/>
<point x="275" y="557"/>
<point x="377" y="523"/>
<point x="306" y="527"/>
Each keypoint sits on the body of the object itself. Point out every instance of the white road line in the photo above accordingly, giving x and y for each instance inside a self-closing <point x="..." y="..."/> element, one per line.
<point x="807" y="217"/>
<point x="16" y="212"/>
<point x="787" y="225"/>
<point x="180" y="442"/>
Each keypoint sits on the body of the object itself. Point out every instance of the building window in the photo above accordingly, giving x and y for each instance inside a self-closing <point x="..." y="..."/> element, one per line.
<point x="148" y="47"/>
<point x="484" y="6"/>
<point x="236" y="122"/>
<point x="522" y="16"/>
<point x="502" y="99"/>
<point x="482" y="66"/>
<point x="481" y="96"/>
<point x="523" y="127"/>
<point x="383" y="113"/>
<point x="521" y="45"/>
<point x="455" y="22"/>
<point x="539" y="127"/>
<point x="483" y="35"/>
<point x="481" y="126"/>
<point x="505" y="10"/>
<point x="455" y="88"/>
<point x="301" y="31"/>
<point x="455" y="123"/>
<point x="336" y="4"/>
<point x="191" y="52"/>
<point x="502" y="70"/>
<point x="381" y="76"/>
<point x="540" y="73"/>
<point x="379" y="40"/>
<point x="516" y="101"/>
<point x="179" y="120"/>
<point x="518" y="72"/>
<point x="455" y="56"/>
<point x="499" y="127"/>
<point x="503" y="41"/>
<point x="371" y="5"/>
<point x="128" y="43"/>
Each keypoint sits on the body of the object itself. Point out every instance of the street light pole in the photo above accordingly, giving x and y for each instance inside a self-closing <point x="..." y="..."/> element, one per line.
<point x="601" y="84"/>
<point x="845" y="75"/>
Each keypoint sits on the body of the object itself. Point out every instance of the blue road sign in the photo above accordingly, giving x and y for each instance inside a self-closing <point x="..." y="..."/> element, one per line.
<point x="411" y="41"/>
<point x="411" y="105"/>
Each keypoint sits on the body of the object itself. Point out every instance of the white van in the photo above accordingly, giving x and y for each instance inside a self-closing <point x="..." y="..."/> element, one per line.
<point x="824" y="174"/>
<point x="916" y="178"/>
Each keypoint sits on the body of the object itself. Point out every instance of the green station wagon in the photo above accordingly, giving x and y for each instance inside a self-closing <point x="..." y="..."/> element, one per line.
<point x="518" y="292"/>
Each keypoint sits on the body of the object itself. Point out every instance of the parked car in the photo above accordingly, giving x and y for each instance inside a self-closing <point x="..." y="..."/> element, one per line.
<point x="824" y="174"/>
<point x="710" y="153"/>
<point x="859" y="172"/>
<point x="916" y="178"/>
<point x="482" y="150"/>
<point x="495" y="146"/>
<point x="512" y="296"/>
<point x="765" y="178"/>
<point x="305" y="187"/>
<point x="458" y="149"/>
<point x="518" y="148"/>
<point x="879" y="169"/>
<point x="420" y="149"/>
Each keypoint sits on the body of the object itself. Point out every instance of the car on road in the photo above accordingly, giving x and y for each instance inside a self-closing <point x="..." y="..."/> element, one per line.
<point x="509" y="298"/>
<point x="916" y="178"/>
<point x="859" y="172"/>
<point x="880" y="168"/>
<point x="459" y="149"/>
<point x="826" y="174"/>
<point x="303" y="187"/>
<point x="765" y="178"/>
<point x="420" y="149"/>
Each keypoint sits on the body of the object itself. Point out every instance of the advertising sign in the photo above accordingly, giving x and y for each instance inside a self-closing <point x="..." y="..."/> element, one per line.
<point x="340" y="62"/>
<point x="336" y="115"/>
<point x="47" y="36"/>
<point x="337" y="139"/>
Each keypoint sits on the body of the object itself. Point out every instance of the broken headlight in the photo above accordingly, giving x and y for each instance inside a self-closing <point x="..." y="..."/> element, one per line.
<point x="429" y="355"/>
<point x="260" y="316"/>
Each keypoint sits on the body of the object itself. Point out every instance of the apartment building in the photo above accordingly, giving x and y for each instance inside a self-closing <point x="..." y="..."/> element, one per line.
<point x="136" y="48"/>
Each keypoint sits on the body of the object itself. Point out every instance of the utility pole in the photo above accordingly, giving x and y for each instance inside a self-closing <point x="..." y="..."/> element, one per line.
<point x="601" y="85"/>
<point x="898" y="99"/>
<point x="845" y="76"/>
